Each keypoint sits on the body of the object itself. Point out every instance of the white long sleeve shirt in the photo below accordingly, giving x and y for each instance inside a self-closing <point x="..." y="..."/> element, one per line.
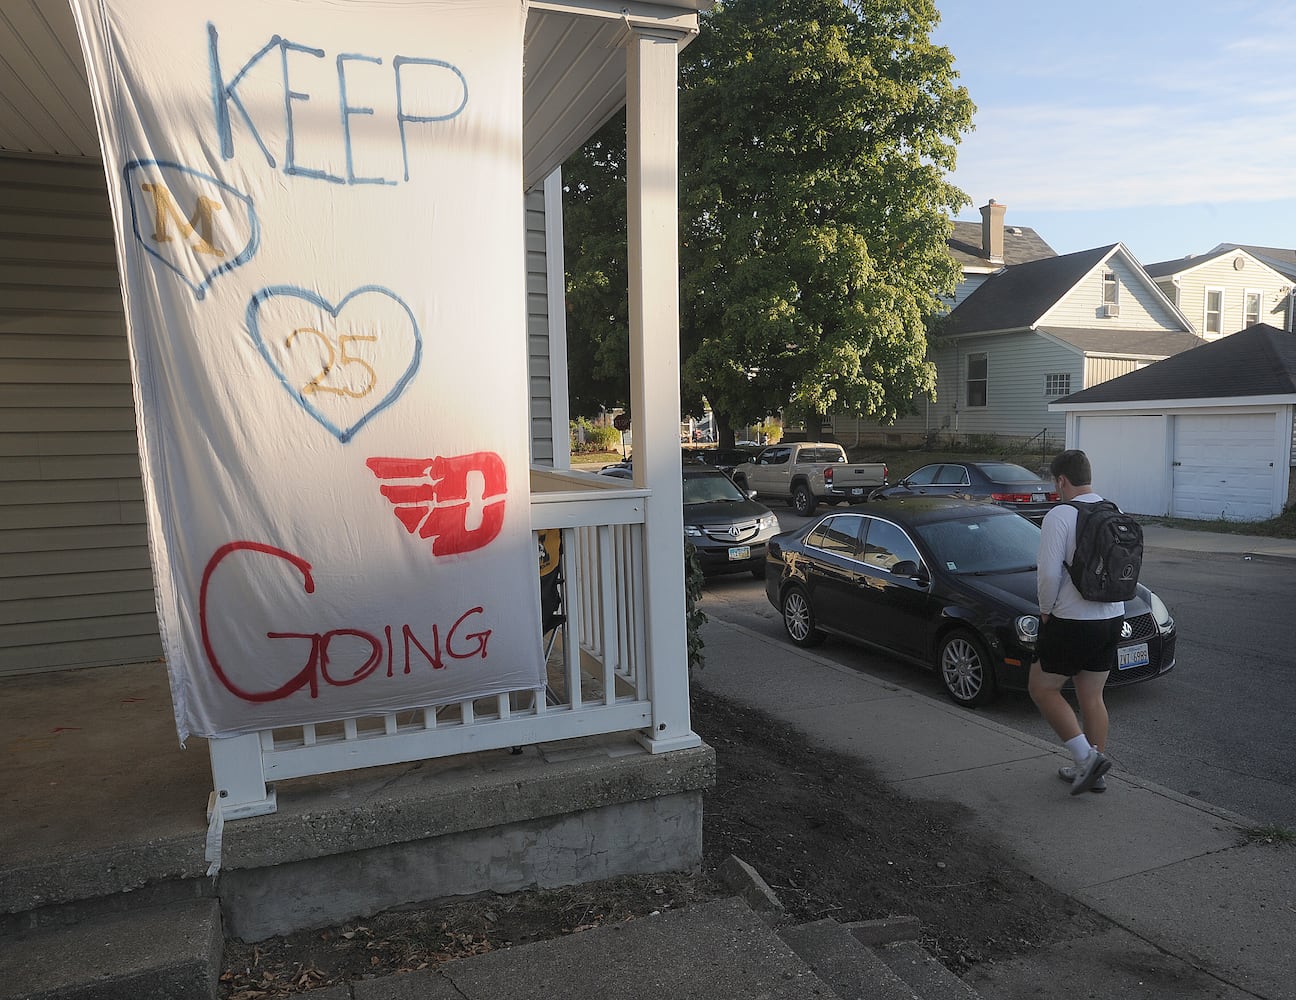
<point x="1057" y="594"/>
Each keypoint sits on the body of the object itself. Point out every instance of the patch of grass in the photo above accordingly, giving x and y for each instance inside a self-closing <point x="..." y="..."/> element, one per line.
<point x="1282" y="526"/>
<point x="1270" y="834"/>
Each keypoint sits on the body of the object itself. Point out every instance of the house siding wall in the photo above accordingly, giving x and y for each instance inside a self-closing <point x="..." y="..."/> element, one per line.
<point x="1016" y="404"/>
<point x="1220" y="273"/>
<point x="76" y="586"/>
<point x="538" y="369"/>
<point x="1098" y="369"/>
<point x="1140" y="307"/>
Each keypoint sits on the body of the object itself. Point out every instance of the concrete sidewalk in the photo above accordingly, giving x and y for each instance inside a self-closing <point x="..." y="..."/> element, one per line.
<point x="1197" y="911"/>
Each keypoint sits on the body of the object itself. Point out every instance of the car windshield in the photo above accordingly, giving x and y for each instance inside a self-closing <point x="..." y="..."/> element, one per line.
<point x="708" y="489"/>
<point x="982" y="544"/>
<point x="1006" y="472"/>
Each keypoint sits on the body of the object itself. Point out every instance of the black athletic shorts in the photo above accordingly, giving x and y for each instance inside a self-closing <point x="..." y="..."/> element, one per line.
<point x="1068" y="645"/>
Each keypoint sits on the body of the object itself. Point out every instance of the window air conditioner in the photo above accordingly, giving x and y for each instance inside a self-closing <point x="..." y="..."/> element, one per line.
<point x="1111" y="310"/>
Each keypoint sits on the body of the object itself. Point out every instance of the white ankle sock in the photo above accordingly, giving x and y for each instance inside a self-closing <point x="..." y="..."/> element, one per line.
<point x="1079" y="747"/>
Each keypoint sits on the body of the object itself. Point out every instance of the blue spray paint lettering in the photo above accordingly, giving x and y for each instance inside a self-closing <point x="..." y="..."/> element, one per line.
<point x="416" y="82"/>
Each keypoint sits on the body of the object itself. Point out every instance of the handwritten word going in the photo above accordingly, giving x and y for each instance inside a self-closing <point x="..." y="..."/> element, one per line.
<point x="318" y="668"/>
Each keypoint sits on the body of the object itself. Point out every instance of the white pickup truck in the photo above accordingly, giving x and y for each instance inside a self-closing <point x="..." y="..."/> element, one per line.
<point x="807" y="473"/>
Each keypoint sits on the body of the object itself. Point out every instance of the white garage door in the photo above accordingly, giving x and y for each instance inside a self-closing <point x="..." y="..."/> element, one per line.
<point x="1128" y="454"/>
<point x="1224" y="466"/>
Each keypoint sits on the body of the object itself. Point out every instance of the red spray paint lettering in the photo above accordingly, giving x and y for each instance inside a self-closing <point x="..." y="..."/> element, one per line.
<point x="458" y="644"/>
<point x="458" y="502"/>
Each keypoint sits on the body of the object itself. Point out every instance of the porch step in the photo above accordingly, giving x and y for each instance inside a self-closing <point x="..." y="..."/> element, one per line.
<point x="860" y="963"/>
<point x="169" y="952"/>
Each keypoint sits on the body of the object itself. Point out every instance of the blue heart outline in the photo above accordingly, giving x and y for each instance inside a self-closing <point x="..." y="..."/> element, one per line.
<point x="243" y="256"/>
<point x="253" y="327"/>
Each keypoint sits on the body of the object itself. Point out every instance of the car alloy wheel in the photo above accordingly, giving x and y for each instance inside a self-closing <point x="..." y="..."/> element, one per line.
<point x="798" y="618"/>
<point x="803" y="500"/>
<point x="965" y="670"/>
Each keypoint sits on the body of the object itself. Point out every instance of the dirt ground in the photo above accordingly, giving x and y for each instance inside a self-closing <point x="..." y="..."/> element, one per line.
<point x="827" y="834"/>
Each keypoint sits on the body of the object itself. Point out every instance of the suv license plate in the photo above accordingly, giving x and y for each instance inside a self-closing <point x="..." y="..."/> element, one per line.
<point x="1132" y="656"/>
<point x="857" y="491"/>
<point x="739" y="552"/>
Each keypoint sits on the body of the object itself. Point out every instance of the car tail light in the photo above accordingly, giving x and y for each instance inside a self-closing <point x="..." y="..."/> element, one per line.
<point x="1011" y="497"/>
<point x="1053" y="497"/>
<point x="828" y="474"/>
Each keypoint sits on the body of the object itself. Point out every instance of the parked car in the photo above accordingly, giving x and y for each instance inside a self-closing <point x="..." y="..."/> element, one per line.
<point x="726" y="459"/>
<point x="728" y="528"/>
<point x="945" y="582"/>
<point x="808" y="473"/>
<point x="1005" y="483"/>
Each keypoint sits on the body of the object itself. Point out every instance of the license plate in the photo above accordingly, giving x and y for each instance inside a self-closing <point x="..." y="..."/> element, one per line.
<point x="1037" y="498"/>
<point x="1132" y="656"/>
<point x="857" y="491"/>
<point x="739" y="552"/>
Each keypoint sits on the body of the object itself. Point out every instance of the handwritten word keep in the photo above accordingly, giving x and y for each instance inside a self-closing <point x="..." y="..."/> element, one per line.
<point x="412" y="650"/>
<point x="422" y="92"/>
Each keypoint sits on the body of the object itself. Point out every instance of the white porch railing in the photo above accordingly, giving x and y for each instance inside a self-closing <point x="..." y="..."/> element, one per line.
<point x="598" y="668"/>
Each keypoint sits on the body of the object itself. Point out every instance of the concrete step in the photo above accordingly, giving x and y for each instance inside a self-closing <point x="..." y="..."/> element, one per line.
<point x="928" y="978"/>
<point x="169" y="952"/>
<point x="838" y="957"/>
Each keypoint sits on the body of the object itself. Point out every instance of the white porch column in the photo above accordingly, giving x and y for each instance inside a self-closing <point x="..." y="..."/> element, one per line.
<point x="652" y="213"/>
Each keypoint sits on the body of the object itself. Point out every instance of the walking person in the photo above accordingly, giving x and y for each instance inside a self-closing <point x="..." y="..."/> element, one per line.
<point x="1078" y="638"/>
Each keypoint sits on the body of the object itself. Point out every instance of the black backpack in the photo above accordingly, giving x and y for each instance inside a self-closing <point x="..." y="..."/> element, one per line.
<point x="1108" y="552"/>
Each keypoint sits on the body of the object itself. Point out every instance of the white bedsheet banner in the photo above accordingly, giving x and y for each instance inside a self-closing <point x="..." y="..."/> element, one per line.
<point x="319" y="219"/>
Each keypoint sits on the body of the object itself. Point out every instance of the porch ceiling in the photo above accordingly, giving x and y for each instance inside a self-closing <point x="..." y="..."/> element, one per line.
<point x="574" y="76"/>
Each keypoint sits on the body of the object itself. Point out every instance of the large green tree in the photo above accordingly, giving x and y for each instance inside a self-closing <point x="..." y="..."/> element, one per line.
<point x="815" y="137"/>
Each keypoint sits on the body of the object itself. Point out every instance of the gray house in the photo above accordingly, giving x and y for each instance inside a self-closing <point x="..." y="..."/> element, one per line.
<point x="1204" y="434"/>
<point x="1033" y="333"/>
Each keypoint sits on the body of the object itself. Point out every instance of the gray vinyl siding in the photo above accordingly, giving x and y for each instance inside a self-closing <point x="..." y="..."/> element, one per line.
<point x="538" y="366"/>
<point x="1101" y="369"/>
<point x="1140" y="307"/>
<point x="76" y="587"/>
<point x="1220" y="273"/>
<point x="1016" y="405"/>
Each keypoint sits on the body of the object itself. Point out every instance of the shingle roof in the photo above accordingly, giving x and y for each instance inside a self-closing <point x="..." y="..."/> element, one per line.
<point x="1258" y="361"/>
<point x="1283" y="261"/>
<point x="1021" y="244"/>
<point x="1127" y="343"/>
<point x="1019" y="295"/>
<point x="1165" y="267"/>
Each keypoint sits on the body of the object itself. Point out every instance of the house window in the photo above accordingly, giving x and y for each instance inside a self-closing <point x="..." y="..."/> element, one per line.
<point x="1253" y="303"/>
<point x="1058" y="384"/>
<point x="977" y="379"/>
<point x="1214" y="325"/>
<point x="1111" y="288"/>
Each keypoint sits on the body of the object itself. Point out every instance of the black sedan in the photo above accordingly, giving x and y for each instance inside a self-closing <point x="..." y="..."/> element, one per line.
<point x="727" y="527"/>
<point x="1005" y="483"/>
<point x="947" y="583"/>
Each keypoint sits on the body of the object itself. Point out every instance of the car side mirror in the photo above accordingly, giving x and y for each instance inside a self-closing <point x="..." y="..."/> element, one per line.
<point x="910" y="569"/>
<point x="751" y="494"/>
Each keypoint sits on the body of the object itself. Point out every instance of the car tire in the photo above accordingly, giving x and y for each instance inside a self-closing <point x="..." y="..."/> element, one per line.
<point x="798" y="619"/>
<point x="965" y="669"/>
<point x="803" y="501"/>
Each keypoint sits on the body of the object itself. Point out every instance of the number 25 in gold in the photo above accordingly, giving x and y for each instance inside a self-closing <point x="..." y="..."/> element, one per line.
<point x="337" y="358"/>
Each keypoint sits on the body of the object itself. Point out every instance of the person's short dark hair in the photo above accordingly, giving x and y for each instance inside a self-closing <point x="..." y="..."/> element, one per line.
<point x="1074" y="464"/>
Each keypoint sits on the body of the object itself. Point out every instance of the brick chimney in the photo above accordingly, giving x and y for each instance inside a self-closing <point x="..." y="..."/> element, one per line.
<point x="992" y="231"/>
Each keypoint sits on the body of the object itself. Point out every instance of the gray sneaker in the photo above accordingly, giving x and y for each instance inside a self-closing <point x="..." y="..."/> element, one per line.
<point x="1093" y="768"/>
<point x="1068" y="774"/>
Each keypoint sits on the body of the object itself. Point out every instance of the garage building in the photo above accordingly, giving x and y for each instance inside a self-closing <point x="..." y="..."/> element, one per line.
<point x="1204" y="434"/>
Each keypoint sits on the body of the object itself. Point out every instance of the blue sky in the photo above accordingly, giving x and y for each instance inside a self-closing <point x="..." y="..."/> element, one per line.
<point x="1169" y="127"/>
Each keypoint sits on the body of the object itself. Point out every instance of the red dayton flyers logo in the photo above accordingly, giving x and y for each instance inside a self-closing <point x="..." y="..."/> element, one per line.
<point x="457" y="502"/>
